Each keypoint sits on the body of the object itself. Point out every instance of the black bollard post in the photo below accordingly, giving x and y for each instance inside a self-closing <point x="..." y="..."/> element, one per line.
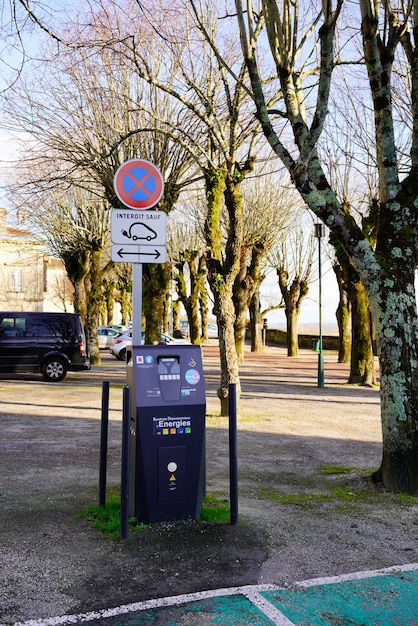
<point x="233" y="462"/>
<point x="103" y="443"/>
<point x="124" y="483"/>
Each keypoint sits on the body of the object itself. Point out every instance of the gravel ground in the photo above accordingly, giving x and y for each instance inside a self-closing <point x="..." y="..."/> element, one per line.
<point x="296" y="520"/>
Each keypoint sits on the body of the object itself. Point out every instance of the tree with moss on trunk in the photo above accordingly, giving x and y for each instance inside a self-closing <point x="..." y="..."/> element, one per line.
<point x="188" y="260"/>
<point x="387" y="270"/>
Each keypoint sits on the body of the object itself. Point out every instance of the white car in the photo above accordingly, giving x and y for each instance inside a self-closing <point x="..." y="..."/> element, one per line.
<point x="123" y="340"/>
<point x="105" y="336"/>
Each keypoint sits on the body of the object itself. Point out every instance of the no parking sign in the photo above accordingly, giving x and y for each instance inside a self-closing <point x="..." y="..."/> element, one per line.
<point x="138" y="184"/>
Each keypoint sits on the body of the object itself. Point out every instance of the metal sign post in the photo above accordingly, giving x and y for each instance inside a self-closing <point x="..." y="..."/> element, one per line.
<point x="137" y="304"/>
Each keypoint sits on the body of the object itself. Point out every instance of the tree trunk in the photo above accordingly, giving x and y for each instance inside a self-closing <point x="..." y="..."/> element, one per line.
<point x="156" y="283"/>
<point x="203" y="308"/>
<point x="293" y="296"/>
<point x="395" y="316"/>
<point x="225" y="314"/>
<point x="94" y="303"/>
<point x="222" y="270"/>
<point x="362" y="369"/>
<point x="240" y="295"/>
<point x="343" y="315"/>
<point x="292" y="337"/>
<point x="256" y="323"/>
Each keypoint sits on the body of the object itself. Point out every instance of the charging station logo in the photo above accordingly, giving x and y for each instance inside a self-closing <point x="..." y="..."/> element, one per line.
<point x="172" y="425"/>
<point x="192" y="376"/>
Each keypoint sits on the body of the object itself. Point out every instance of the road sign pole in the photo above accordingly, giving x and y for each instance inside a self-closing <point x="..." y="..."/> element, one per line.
<point x="137" y="304"/>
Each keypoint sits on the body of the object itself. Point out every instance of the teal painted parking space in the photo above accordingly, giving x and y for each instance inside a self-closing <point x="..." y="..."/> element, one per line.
<point x="233" y="610"/>
<point x="387" y="597"/>
<point x="385" y="600"/>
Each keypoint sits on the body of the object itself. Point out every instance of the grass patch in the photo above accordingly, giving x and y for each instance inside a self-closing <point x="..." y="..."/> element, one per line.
<point x="215" y="511"/>
<point x="333" y="470"/>
<point x="107" y="519"/>
<point x="302" y="499"/>
<point x="407" y="499"/>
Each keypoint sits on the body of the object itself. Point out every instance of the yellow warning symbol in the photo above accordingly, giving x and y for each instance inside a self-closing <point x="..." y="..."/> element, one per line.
<point x="172" y="477"/>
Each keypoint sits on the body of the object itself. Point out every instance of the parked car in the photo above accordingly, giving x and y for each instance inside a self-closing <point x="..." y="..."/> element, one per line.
<point x="49" y="343"/>
<point x="120" y="343"/>
<point x="119" y="327"/>
<point x="184" y="330"/>
<point x="105" y="336"/>
<point x="123" y="340"/>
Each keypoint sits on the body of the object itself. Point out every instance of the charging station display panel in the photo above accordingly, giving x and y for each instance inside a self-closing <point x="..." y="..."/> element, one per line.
<point x="168" y="374"/>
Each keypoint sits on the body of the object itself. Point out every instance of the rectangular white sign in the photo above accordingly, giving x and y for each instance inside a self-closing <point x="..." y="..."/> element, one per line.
<point x="139" y="254"/>
<point x="129" y="226"/>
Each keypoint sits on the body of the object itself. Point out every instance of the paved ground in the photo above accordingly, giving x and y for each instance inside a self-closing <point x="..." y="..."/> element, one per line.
<point x="306" y="509"/>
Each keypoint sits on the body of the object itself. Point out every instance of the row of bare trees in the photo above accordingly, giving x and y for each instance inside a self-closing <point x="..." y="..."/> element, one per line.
<point x="196" y="88"/>
<point x="93" y="106"/>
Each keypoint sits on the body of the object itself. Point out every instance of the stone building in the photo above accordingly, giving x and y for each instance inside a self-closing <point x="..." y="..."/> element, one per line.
<point x="30" y="279"/>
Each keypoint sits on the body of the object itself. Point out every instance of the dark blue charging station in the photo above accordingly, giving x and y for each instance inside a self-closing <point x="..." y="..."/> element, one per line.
<point x="167" y="432"/>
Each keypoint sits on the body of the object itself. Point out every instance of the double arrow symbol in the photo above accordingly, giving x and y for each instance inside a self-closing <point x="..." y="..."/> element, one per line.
<point x="139" y="254"/>
<point x="122" y="253"/>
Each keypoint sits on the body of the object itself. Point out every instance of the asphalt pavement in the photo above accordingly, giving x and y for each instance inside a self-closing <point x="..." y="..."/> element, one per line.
<point x="332" y="553"/>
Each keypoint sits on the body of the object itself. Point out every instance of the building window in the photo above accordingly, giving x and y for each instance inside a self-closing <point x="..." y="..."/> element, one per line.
<point x="16" y="280"/>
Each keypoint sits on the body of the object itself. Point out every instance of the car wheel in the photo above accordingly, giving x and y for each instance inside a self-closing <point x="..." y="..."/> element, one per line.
<point x="122" y="355"/>
<point x="54" y="369"/>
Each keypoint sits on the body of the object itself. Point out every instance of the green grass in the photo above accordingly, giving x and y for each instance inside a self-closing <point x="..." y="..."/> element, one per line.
<point x="332" y="470"/>
<point x="347" y="491"/>
<point x="301" y="499"/>
<point x="215" y="511"/>
<point x="406" y="499"/>
<point x="107" y="519"/>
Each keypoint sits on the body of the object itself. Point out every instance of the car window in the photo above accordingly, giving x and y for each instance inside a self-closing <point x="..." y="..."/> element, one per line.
<point x="51" y="326"/>
<point x="13" y="327"/>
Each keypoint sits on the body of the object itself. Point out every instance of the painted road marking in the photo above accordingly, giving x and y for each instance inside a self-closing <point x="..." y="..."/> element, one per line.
<point x="317" y="602"/>
<point x="266" y="607"/>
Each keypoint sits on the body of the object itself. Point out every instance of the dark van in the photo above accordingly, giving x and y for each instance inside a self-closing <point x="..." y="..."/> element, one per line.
<point x="49" y="343"/>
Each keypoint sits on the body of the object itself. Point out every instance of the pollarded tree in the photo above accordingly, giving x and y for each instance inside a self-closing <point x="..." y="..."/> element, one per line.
<point x="385" y="33"/>
<point x="293" y="259"/>
<point x="268" y="200"/>
<point x="225" y="130"/>
<point x="87" y="112"/>
<point x="75" y="227"/>
<point x="187" y="254"/>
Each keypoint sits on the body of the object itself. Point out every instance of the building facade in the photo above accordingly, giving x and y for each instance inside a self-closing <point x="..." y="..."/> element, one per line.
<point x="30" y="279"/>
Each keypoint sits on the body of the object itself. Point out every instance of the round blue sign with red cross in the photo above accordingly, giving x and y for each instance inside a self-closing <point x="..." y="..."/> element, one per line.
<point x="138" y="184"/>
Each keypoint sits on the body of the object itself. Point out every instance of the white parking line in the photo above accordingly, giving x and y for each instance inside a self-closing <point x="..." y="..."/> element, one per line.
<point x="252" y="592"/>
<point x="329" y="580"/>
<point x="267" y="608"/>
<point x="145" y="605"/>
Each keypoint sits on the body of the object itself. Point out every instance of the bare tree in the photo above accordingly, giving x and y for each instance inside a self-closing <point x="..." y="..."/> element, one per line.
<point x="293" y="261"/>
<point x="387" y="271"/>
<point x="188" y="259"/>
<point x="76" y="230"/>
<point x="268" y="200"/>
<point x="87" y="113"/>
<point x="197" y="53"/>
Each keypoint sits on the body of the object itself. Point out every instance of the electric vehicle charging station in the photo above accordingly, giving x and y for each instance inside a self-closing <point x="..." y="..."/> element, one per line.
<point x="166" y="384"/>
<point x="167" y="432"/>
